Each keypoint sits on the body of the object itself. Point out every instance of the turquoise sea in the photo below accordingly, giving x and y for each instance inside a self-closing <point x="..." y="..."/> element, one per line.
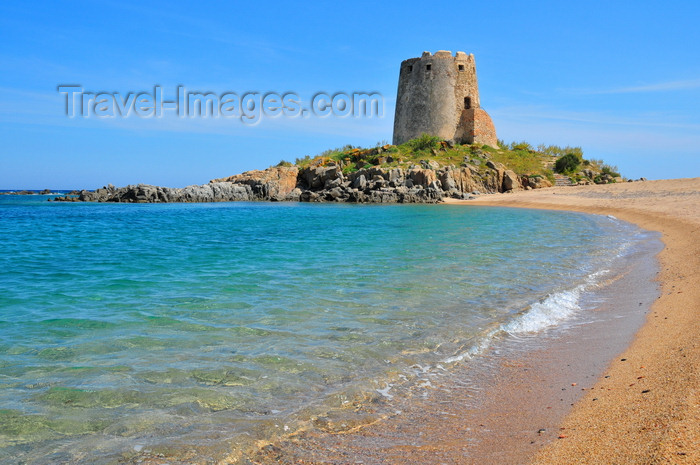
<point x="139" y="328"/>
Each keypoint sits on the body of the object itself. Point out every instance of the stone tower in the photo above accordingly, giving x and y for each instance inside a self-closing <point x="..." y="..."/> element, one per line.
<point x="438" y="94"/>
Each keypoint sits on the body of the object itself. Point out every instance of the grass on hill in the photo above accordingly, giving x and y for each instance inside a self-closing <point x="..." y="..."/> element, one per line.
<point x="520" y="157"/>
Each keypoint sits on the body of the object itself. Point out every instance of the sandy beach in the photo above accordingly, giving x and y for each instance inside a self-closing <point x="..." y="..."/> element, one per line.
<point x="621" y="390"/>
<point x="646" y="408"/>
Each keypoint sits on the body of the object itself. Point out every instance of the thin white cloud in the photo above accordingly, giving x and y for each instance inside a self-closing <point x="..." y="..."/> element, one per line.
<point x="668" y="86"/>
<point x="654" y="153"/>
<point x="543" y="113"/>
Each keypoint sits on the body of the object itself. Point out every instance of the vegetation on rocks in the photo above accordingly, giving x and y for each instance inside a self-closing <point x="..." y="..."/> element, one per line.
<point x="567" y="164"/>
<point x="422" y="170"/>
<point x="520" y="157"/>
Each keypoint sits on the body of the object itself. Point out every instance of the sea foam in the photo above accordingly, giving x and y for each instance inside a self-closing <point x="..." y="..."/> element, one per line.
<point x="551" y="311"/>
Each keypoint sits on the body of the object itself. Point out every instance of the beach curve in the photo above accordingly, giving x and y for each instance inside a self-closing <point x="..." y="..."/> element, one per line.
<point x="646" y="407"/>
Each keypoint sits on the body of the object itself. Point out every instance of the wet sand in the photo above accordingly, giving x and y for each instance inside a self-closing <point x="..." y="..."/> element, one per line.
<point x="499" y="408"/>
<point x="598" y="392"/>
<point x="621" y="389"/>
<point x="646" y="409"/>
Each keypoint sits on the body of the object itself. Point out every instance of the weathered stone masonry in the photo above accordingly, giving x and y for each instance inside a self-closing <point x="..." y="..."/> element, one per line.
<point x="439" y="95"/>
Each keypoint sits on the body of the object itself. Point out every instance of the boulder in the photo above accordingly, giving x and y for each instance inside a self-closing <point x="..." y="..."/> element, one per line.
<point x="277" y="181"/>
<point x="377" y="171"/>
<point x="422" y="177"/>
<point x="494" y="179"/>
<point x="309" y="196"/>
<point x="294" y="195"/>
<point x="360" y="182"/>
<point x="396" y="175"/>
<point x="335" y="194"/>
<point x="464" y="181"/>
<point x="510" y="180"/>
<point x="447" y="181"/>
<point x="333" y="183"/>
<point x="315" y="177"/>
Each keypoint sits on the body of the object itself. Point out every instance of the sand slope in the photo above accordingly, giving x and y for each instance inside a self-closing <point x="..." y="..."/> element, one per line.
<point x="647" y="407"/>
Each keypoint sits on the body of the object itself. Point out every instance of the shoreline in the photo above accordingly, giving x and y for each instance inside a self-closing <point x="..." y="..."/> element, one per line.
<point x="503" y="405"/>
<point x="631" y="399"/>
<point x="640" y="412"/>
<point x="649" y="414"/>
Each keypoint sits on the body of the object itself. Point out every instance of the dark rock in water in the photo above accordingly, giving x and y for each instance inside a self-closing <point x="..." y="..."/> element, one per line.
<point x="334" y="194"/>
<point x="45" y="192"/>
<point x="294" y="195"/>
<point x="308" y="196"/>
<point x="65" y="198"/>
<point x="22" y="192"/>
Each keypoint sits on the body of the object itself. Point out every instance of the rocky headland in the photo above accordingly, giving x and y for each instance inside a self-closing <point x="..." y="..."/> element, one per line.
<point x="424" y="170"/>
<point x="429" y="183"/>
<point x="33" y="192"/>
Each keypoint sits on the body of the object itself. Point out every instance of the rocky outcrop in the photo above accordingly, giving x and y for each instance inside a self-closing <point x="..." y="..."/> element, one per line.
<point x="535" y="182"/>
<point x="145" y="193"/>
<point x="425" y="183"/>
<point x="510" y="181"/>
<point x="26" y="192"/>
<point x="273" y="183"/>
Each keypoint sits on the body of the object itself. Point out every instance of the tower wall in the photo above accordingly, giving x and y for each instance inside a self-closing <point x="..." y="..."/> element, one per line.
<point x="439" y="95"/>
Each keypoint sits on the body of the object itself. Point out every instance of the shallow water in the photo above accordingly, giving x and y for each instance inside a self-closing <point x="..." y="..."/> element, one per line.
<point x="130" y="328"/>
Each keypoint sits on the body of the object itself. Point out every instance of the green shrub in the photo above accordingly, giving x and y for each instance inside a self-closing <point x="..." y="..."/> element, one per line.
<point x="331" y="152"/>
<point x="567" y="163"/>
<point x="609" y="169"/>
<point x="520" y="146"/>
<point x="556" y="151"/>
<point x="425" y="141"/>
<point x="303" y="161"/>
<point x="284" y="163"/>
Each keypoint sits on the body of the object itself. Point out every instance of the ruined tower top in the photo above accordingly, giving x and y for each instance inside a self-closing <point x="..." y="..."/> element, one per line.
<point x="438" y="94"/>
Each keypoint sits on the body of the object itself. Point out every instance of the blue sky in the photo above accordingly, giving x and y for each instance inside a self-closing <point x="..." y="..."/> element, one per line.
<point x="620" y="79"/>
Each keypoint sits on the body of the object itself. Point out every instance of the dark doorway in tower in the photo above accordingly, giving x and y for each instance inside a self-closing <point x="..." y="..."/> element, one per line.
<point x="467" y="103"/>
